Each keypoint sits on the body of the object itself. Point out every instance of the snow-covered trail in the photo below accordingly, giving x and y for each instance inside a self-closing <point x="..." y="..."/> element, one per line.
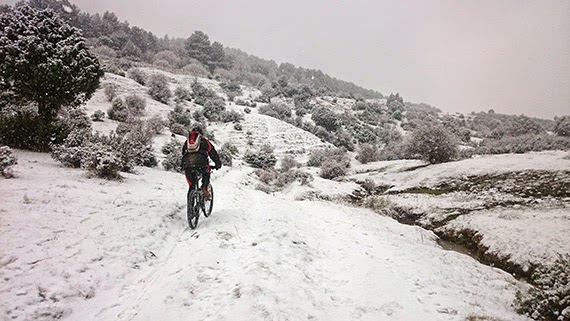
<point x="262" y="258"/>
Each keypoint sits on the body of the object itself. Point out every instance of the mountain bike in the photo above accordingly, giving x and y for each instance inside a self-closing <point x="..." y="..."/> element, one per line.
<point x="196" y="203"/>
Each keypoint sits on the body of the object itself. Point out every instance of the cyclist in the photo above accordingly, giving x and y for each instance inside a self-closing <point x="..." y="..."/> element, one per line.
<point x="195" y="153"/>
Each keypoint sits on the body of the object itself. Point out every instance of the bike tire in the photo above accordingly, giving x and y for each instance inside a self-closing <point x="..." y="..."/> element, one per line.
<point x="193" y="209"/>
<point x="209" y="204"/>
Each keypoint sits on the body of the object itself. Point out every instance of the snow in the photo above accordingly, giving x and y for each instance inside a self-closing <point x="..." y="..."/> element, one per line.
<point x="521" y="244"/>
<point x="89" y="249"/>
<point x="399" y="175"/>
<point x="80" y="248"/>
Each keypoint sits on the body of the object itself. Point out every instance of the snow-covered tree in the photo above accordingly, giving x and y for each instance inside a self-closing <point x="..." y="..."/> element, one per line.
<point x="44" y="60"/>
<point x="562" y="127"/>
<point x="434" y="144"/>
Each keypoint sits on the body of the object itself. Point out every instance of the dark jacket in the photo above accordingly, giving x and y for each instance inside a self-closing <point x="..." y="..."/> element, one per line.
<point x="200" y="158"/>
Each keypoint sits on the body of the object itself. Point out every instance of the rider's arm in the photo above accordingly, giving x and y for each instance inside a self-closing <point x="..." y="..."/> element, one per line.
<point x="184" y="149"/>
<point x="214" y="155"/>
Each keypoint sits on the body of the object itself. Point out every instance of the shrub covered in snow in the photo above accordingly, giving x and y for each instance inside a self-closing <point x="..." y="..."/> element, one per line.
<point x="261" y="158"/>
<point x="523" y="144"/>
<point x="110" y="91"/>
<point x="40" y="55"/>
<point x="104" y="155"/>
<point x="225" y="157"/>
<point x="181" y="94"/>
<point x="319" y="156"/>
<point x="118" y="110"/>
<point x="231" y="116"/>
<point x="98" y="115"/>
<point x="214" y="108"/>
<point x="288" y="162"/>
<point x="135" y="104"/>
<point x="173" y="152"/>
<point x="137" y="75"/>
<point x="549" y="299"/>
<point x="202" y="93"/>
<point x="156" y="124"/>
<point x="367" y="153"/>
<point x="562" y="126"/>
<point x="331" y="169"/>
<point x="103" y="162"/>
<point x="179" y="115"/>
<point x="325" y="118"/>
<point x="279" y="111"/>
<point x="158" y="88"/>
<point x="7" y="160"/>
<point x="434" y="144"/>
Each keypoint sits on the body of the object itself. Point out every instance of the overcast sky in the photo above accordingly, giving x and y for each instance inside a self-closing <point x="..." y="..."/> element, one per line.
<point x="509" y="55"/>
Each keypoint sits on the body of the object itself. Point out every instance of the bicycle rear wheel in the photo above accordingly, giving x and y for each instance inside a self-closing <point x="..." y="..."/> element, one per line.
<point x="209" y="203"/>
<point x="193" y="209"/>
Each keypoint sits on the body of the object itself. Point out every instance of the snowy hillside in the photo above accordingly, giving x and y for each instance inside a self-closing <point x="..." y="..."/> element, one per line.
<point x="79" y="248"/>
<point x="89" y="249"/>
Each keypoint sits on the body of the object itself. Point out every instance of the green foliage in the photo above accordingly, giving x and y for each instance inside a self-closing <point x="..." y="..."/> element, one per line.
<point x="211" y="55"/>
<point x="434" y="144"/>
<point x="44" y="60"/>
<point x="106" y="156"/>
<point x="226" y="157"/>
<point x="549" y="299"/>
<point x="158" y="88"/>
<point x="22" y="127"/>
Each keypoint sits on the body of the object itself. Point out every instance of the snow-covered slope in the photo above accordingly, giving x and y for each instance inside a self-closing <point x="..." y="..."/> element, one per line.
<point x="79" y="248"/>
<point x="87" y="249"/>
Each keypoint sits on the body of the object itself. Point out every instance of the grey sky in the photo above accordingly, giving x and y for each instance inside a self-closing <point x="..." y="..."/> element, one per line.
<point x="509" y="55"/>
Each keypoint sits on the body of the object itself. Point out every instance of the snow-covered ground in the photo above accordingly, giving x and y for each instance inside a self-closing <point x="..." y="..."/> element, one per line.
<point x="88" y="249"/>
<point x="79" y="248"/>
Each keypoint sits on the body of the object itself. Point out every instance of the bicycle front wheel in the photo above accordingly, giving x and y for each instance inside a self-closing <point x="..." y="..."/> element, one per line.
<point x="209" y="203"/>
<point x="193" y="209"/>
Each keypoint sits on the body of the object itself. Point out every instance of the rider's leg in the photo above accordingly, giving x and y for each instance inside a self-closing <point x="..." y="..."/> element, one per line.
<point x="190" y="179"/>
<point x="205" y="183"/>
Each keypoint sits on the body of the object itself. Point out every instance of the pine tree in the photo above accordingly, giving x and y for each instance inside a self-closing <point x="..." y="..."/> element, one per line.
<point x="44" y="60"/>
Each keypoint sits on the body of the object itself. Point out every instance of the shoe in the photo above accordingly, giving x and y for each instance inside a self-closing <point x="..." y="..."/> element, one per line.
<point x="206" y="193"/>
